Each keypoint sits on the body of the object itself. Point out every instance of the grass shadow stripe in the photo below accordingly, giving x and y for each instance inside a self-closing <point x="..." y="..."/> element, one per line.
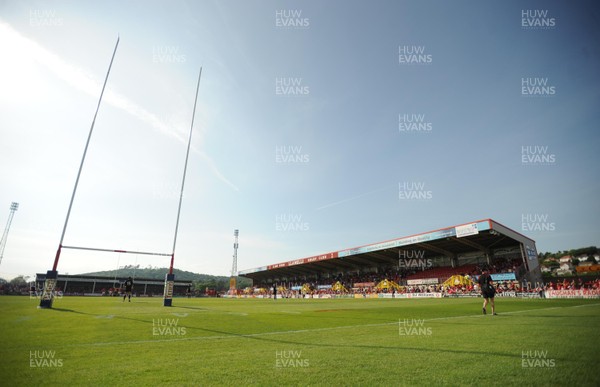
<point x="232" y="335"/>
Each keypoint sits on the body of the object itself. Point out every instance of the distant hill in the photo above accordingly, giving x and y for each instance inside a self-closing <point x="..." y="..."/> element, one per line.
<point x="201" y="281"/>
<point x="588" y="251"/>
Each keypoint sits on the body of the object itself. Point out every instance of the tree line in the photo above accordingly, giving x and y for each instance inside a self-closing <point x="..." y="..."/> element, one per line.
<point x="200" y="281"/>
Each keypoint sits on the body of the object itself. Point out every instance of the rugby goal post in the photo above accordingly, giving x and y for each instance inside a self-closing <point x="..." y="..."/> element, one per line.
<point x="52" y="275"/>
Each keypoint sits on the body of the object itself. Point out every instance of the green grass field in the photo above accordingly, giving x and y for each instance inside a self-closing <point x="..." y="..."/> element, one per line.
<point x="105" y="342"/>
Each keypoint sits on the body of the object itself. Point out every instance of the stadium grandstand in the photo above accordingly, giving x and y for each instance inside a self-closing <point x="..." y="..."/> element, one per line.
<point x="422" y="261"/>
<point x="82" y="285"/>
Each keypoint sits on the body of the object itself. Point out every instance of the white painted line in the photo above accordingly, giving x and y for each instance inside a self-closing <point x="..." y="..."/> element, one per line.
<point x="250" y="335"/>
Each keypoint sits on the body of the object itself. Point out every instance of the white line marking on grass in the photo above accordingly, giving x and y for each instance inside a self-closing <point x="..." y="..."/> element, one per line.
<point x="180" y="314"/>
<point x="251" y="335"/>
<point x="584" y="305"/>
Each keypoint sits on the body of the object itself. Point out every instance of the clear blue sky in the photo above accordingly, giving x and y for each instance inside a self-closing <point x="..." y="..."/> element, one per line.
<point x="321" y="169"/>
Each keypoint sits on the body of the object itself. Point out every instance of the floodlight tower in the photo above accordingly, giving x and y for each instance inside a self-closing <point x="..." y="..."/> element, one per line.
<point x="232" y="281"/>
<point x="14" y="206"/>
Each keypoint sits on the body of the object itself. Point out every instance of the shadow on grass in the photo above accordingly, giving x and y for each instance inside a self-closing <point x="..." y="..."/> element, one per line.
<point x="190" y="307"/>
<point x="70" y="311"/>
<point x="268" y="337"/>
<point x="260" y="337"/>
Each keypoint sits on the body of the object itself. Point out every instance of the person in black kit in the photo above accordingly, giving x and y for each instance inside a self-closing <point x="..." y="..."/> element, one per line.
<point x="274" y="292"/>
<point x="128" y="287"/>
<point x="487" y="290"/>
<point x="189" y="291"/>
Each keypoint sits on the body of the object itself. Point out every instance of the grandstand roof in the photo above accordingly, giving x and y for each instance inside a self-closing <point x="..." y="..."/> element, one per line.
<point x="480" y="236"/>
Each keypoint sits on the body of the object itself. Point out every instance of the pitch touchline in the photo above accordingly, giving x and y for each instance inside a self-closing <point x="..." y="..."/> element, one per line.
<point x="250" y="335"/>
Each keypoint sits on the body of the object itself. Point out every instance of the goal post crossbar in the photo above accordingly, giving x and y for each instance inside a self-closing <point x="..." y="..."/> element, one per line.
<point x="117" y="251"/>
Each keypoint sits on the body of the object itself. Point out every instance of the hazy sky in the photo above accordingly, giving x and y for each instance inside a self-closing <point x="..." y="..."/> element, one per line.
<point x="321" y="125"/>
